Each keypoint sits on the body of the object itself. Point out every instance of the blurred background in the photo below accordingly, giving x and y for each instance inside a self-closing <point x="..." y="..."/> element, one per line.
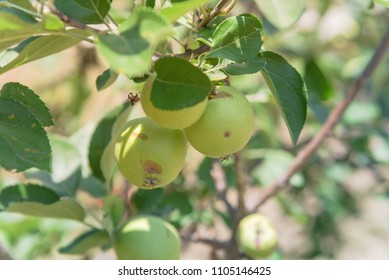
<point x="337" y="207"/>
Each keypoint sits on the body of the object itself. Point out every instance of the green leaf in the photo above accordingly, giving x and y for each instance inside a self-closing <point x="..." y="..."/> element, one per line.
<point x="319" y="88"/>
<point x="25" y="4"/>
<point x="204" y="174"/>
<point x="288" y="89"/>
<point x="179" y="9"/>
<point x="38" y="47"/>
<point x="178" y="84"/>
<point x="85" y="11"/>
<point x="65" y="176"/>
<point x="23" y="193"/>
<point x="85" y="242"/>
<point x="316" y="81"/>
<point x="23" y="141"/>
<point x="281" y="13"/>
<point x="16" y="27"/>
<point x="38" y="201"/>
<point x="384" y="3"/>
<point x="114" y="209"/>
<point x="62" y="209"/>
<point x="131" y="51"/>
<point x="29" y="99"/>
<point x="103" y="139"/>
<point x="250" y="67"/>
<point x="146" y="200"/>
<point x="93" y="186"/>
<point x="53" y="23"/>
<point x="150" y="3"/>
<point x="106" y="79"/>
<point x="237" y="38"/>
<point x="178" y="201"/>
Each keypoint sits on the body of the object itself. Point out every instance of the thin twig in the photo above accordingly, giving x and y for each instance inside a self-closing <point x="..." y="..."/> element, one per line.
<point x="215" y="12"/>
<point x="188" y="54"/>
<point x="212" y="242"/>
<point x="73" y="23"/>
<point x="333" y="119"/>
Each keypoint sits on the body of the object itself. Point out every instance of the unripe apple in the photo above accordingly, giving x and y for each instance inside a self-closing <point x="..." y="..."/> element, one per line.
<point x="147" y="238"/>
<point x="175" y="119"/>
<point x="149" y="155"/>
<point x="257" y="236"/>
<point x="226" y="125"/>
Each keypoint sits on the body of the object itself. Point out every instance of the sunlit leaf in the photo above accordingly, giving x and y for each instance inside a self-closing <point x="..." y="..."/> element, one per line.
<point x="237" y="38"/>
<point x="131" y="51"/>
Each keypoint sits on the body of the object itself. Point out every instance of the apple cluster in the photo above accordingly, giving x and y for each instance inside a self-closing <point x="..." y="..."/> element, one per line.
<point x="151" y="151"/>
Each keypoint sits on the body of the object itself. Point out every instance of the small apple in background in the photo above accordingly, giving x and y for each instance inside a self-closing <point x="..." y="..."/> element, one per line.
<point x="147" y="238"/>
<point x="257" y="236"/>
<point x="148" y="155"/>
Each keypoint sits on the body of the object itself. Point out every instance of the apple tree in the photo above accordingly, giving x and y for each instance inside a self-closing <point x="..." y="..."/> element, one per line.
<point x="194" y="141"/>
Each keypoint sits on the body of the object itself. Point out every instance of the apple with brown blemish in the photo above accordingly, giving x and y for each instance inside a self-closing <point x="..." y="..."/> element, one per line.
<point x="256" y="236"/>
<point x="226" y="125"/>
<point x="149" y="155"/>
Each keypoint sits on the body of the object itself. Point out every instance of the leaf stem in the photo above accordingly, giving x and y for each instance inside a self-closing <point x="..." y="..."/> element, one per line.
<point x="333" y="119"/>
<point x="112" y="20"/>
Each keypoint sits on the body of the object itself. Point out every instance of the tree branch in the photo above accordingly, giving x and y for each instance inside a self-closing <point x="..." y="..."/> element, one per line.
<point x="219" y="8"/>
<point x="211" y="242"/>
<point x="73" y="23"/>
<point x="333" y="119"/>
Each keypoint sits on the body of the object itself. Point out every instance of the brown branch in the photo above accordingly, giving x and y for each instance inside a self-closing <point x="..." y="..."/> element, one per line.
<point x="188" y="54"/>
<point x="219" y="8"/>
<point x="211" y="242"/>
<point x="72" y="22"/>
<point x="335" y="116"/>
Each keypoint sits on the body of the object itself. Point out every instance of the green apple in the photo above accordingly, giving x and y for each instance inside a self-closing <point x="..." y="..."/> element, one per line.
<point x="257" y="236"/>
<point x="175" y="119"/>
<point x="149" y="155"/>
<point x="147" y="238"/>
<point x="226" y="125"/>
